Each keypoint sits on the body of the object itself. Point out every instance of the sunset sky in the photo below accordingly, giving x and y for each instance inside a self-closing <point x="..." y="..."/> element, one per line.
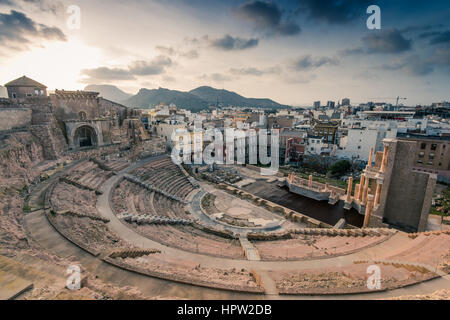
<point x="294" y="52"/>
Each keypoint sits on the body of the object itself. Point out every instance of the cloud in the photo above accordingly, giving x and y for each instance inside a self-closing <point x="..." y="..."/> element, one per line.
<point x="191" y="54"/>
<point x="334" y="11"/>
<point x="412" y="66"/>
<point x="166" y="50"/>
<point x="298" y="78"/>
<point x="386" y="41"/>
<point x="52" y="6"/>
<point x="307" y="62"/>
<point x="254" y="71"/>
<point x="416" y="66"/>
<point x="169" y="79"/>
<point x="215" y="77"/>
<point x="367" y="75"/>
<point x="267" y="17"/>
<point x="441" y="57"/>
<point x="155" y="66"/>
<point x="229" y="43"/>
<point x="422" y="28"/>
<point x="17" y="31"/>
<point x="353" y="51"/>
<point x="389" y="41"/>
<point x="105" y="73"/>
<point x="145" y="68"/>
<point x="55" y="7"/>
<point x="437" y="37"/>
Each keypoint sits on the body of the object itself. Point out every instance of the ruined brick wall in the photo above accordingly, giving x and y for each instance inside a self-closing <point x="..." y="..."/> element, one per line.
<point x="51" y="137"/>
<point x="99" y="153"/>
<point x="19" y="152"/>
<point x="15" y="118"/>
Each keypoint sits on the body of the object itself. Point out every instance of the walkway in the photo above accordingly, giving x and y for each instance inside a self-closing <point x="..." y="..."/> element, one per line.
<point x="251" y="252"/>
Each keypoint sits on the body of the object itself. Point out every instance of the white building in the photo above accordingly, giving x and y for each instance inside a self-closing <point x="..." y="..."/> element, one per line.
<point x="167" y="129"/>
<point x="316" y="145"/>
<point x="357" y="143"/>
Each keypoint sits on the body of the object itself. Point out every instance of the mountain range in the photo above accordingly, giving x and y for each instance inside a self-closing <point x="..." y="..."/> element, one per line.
<point x="195" y="100"/>
<point x="109" y="92"/>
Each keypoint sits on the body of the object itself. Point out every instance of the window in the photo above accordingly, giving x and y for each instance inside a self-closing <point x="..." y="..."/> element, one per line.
<point x="430" y="163"/>
<point x="14" y="96"/>
<point x="433" y="146"/>
<point x="431" y="156"/>
<point x="419" y="161"/>
<point x="421" y="154"/>
<point x="423" y="146"/>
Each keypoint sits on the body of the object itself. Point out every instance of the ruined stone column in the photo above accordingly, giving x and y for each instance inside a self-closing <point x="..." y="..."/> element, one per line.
<point x="365" y="191"/>
<point x="378" y="194"/>
<point x="384" y="161"/>
<point x="291" y="177"/>
<point x="368" y="212"/>
<point x="370" y="158"/>
<point x="361" y="187"/>
<point x="349" y="190"/>
<point x="310" y="184"/>
<point x="356" y="196"/>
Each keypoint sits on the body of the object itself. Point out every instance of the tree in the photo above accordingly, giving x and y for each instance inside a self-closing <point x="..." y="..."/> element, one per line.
<point x="340" y="168"/>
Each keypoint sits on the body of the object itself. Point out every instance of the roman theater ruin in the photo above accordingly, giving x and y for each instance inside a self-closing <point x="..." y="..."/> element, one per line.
<point x="84" y="183"/>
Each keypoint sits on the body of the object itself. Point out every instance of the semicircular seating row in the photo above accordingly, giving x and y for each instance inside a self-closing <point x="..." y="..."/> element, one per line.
<point x="165" y="175"/>
<point x="130" y="198"/>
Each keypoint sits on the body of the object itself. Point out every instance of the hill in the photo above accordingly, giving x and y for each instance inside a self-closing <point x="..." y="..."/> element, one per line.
<point x="226" y="98"/>
<point x="197" y="99"/>
<point x="109" y="92"/>
<point x="151" y="98"/>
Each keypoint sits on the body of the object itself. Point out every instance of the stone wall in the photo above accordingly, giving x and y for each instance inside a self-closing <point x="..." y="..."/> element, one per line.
<point x="106" y="106"/>
<point x="69" y="105"/>
<point x="406" y="197"/>
<point x="15" y="118"/>
<point x="19" y="152"/>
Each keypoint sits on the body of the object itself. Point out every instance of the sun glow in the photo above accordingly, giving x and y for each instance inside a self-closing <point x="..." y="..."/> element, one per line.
<point x="57" y="64"/>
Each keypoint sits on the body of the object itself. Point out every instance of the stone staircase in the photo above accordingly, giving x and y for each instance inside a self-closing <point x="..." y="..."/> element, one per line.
<point x="250" y="251"/>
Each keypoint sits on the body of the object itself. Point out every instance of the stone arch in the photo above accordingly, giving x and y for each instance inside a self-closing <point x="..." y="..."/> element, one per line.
<point x="85" y="136"/>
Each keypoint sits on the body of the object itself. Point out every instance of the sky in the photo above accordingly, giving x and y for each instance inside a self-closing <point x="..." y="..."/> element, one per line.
<point x="294" y="52"/>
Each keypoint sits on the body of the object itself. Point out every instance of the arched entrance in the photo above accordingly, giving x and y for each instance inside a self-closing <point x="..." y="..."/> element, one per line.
<point x="85" y="136"/>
